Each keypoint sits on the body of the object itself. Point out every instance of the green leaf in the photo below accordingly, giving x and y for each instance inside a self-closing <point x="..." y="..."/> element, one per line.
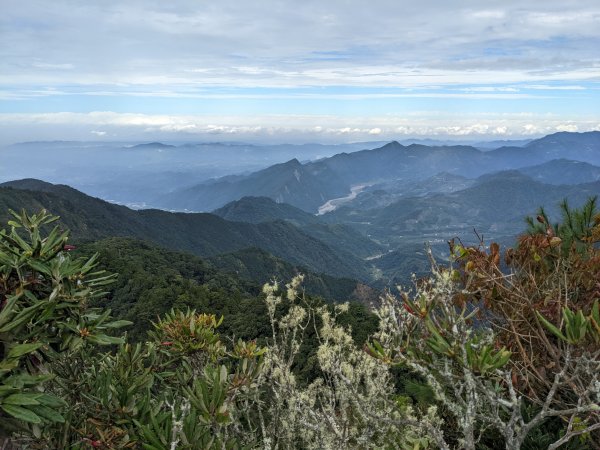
<point x="551" y="327"/>
<point x="30" y="380"/>
<point x="102" y="339"/>
<point x="22" y="317"/>
<point x="118" y="324"/>
<point x="21" y="413"/>
<point x="48" y="413"/>
<point x="52" y="401"/>
<point x="22" y="399"/>
<point x="23" y="349"/>
<point x="7" y="310"/>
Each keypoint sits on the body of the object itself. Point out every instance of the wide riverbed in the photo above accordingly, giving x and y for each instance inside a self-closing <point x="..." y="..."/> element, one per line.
<point x="334" y="203"/>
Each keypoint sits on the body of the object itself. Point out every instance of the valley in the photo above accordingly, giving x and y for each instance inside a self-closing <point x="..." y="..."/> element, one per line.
<point x="314" y="225"/>
<point x="365" y="214"/>
<point x="333" y="204"/>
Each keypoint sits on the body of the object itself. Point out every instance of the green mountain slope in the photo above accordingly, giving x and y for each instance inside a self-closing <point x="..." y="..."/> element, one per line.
<point x="263" y="209"/>
<point x="153" y="280"/>
<point x="201" y="234"/>
<point x="257" y="265"/>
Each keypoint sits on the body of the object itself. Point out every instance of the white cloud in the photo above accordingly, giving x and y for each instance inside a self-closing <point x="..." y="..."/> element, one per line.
<point x="53" y="66"/>
<point x="298" y="128"/>
<point x="545" y="87"/>
<point x="567" y="127"/>
<point x="279" y="43"/>
<point x="431" y="54"/>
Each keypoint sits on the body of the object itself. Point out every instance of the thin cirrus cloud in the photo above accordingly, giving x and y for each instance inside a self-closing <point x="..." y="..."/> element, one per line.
<point x="350" y="65"/>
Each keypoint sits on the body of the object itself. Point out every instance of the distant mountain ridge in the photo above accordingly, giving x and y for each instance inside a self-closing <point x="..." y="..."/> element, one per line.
<point x="496" y="203"/>
<point x="135" y="173"/>
<point x="307" y="186"/>
<point x="563" y="171"/>
<point x="288" y="182"/>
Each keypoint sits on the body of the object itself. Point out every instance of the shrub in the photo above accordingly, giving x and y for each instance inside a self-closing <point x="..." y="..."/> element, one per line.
<point x="457" y="339"/>
<point x="43" y="315"/>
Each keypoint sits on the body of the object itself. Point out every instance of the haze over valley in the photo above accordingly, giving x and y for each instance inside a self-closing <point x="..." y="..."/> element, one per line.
<point x="316" y="225"/>
<point x="367" y="209"/>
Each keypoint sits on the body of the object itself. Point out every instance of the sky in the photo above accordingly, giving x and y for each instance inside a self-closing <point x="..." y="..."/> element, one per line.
<point x="297" y="71"/>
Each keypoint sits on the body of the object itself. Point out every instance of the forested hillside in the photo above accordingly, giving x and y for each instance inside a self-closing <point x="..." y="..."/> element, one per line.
<point x="201" y="234"/>
<point x="152" y="281"/>
<point x="417" y="372"/>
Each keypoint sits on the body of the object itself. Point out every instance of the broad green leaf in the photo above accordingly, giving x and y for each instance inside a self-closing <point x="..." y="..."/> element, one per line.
<point x="102" y="339"/>
<point x="21" y="413"/>
<point x="51" y="401"/>
<point x="23" y="349"/>
<point x="22" y="317"/>
<point x="7" y="310"/>
<point x="48" y="413"/>
<point x="117" y="324"/>
<point x="29" y="380"/>
<point x="22" y="399"/>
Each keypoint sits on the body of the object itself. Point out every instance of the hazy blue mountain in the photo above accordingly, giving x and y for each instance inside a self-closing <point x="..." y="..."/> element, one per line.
<point x="201" y="234"/>
<point x="152" y="145"/>
<point x="417" y="162"/>
<point x="563" y="145"/>
<point x="135" y="173"/>
<point x="290" y="182"/>
<point x="383" y="194"/>
<point x="563" y="171"/>
<point x="310" y="185"/>
<point x="482" y="145"/>
<point x="494" y="205"/>
<point x="492" y="145"/>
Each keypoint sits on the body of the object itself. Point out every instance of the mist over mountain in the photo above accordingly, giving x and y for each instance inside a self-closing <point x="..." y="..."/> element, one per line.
<point x="309" y="186"/>
<point x="377" y="208"/>
<point x="136" y="173"/>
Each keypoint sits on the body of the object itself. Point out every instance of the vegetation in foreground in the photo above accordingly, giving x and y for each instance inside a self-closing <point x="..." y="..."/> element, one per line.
<point x="472" y="357"/>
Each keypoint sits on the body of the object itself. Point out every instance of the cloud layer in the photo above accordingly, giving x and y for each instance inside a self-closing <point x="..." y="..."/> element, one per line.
<point x="285" y="128"/>
<point x="336" y="58"/>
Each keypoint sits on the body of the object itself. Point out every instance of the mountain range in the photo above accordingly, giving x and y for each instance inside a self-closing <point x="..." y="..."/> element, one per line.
<point x="310" y="185"/>
<point x="203" y="234"/>
<point x="364" y="215"/>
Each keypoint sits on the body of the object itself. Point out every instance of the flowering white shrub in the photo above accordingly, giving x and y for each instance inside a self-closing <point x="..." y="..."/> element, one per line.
<point x="351" y="405"/>
<point x="354" y="403"/>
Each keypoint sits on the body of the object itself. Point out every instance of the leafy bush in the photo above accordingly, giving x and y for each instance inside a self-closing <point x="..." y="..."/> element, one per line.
<point x="454" y="339"/>
<point x="545" y="311"/>
<point x="43" y="315"/>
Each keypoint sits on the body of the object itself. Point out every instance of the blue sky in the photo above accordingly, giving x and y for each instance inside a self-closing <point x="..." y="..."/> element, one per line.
<point x="330" y="71"/>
